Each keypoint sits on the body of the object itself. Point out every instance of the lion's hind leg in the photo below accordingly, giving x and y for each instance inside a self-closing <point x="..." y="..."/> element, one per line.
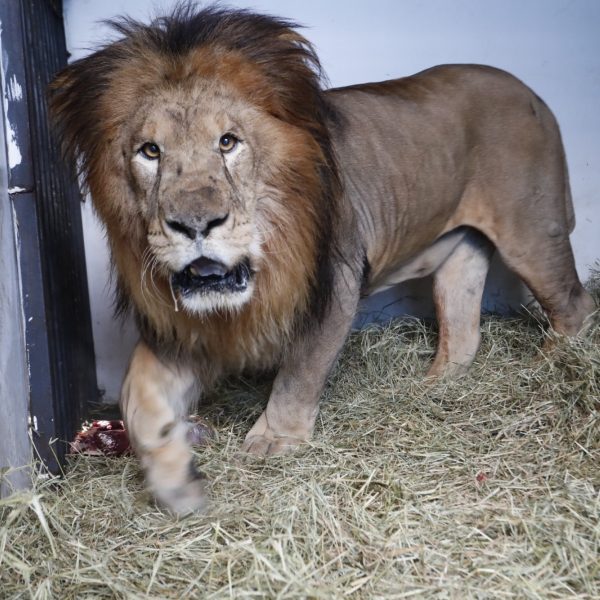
<point x="457" y="291"/>
<point x="521" y="200"/>
<point x="154" y="402"/>
<point x="542" y="257"/>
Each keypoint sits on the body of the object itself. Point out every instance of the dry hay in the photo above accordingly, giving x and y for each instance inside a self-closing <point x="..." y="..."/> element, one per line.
<point x="486" y="487"/>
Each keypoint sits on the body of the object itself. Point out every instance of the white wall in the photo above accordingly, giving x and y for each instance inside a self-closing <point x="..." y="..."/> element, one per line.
<point x="553" y="45"/>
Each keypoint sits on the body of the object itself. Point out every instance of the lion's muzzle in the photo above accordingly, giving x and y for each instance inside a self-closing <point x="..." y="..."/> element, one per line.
<point x="205" y="275"/>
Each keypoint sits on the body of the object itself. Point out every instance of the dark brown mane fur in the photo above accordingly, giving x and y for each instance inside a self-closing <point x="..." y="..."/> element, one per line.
<point x="290" y="89"/>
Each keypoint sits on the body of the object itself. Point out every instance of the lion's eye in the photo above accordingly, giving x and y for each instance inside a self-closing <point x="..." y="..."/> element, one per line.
<point x="150" y="150"/>
<point x="227" y="142"/>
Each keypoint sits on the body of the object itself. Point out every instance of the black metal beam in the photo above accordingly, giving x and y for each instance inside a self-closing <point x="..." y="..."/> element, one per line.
<point x="46" y="202"/>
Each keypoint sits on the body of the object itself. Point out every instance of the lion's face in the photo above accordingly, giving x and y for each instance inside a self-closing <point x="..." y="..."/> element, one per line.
<point x="193" y="160"/>
<point x="208" y="158"/>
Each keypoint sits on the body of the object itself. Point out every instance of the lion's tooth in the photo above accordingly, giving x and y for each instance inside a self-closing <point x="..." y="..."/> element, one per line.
<point x="194" y="271"/>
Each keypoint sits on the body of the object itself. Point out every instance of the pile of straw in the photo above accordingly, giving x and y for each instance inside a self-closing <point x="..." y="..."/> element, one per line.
<point x="484" y="487"/>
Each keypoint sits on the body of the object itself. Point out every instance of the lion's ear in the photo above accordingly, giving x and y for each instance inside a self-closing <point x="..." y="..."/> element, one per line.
<point x="295" y="76"/>
<point x="63" y="107"/>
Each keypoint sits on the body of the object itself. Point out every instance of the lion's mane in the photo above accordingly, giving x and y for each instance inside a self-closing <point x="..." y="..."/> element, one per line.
<point x="278" y="71"/>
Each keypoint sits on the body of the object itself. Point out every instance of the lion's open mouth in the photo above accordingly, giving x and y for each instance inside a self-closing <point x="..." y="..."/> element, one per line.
<point x="205" y="275"/>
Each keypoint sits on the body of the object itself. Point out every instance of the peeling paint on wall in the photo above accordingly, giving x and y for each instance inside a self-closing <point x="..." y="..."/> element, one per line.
<point x="14" y="154"/>
<point x="12" y="91"/>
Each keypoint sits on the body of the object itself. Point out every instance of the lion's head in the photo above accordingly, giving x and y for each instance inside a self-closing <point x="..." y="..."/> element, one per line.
<point x="203" y="140"/>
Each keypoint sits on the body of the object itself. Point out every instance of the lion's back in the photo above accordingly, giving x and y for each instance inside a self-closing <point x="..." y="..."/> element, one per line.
<point x="412" y="149"/>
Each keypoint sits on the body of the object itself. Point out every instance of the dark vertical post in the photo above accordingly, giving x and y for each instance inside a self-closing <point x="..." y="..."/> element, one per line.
<point x="46" y="204"/>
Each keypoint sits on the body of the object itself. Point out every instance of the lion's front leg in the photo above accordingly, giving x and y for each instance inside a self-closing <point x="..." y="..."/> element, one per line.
<point x="154" y="403"/>
<point x="290" y="415"/>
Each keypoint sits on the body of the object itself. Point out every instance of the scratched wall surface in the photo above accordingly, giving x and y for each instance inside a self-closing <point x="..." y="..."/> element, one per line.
<point x="553" y="45"/>
<point x="14" y="441"/>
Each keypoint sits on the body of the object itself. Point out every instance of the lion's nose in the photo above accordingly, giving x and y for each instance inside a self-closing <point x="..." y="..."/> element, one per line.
<point x="195" y="227"/>
<point x="180" y="227"/>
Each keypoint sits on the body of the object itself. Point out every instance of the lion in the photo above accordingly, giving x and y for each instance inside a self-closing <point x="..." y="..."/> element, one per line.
<point x="248" y="210"/>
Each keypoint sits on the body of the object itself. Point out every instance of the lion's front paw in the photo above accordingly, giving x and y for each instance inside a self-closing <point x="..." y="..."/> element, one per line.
<point x="269" y="445"/>
<point x="182" y="499"/>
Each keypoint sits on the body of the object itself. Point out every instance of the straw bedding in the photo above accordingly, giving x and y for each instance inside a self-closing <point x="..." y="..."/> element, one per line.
<point x="483" y="487"/>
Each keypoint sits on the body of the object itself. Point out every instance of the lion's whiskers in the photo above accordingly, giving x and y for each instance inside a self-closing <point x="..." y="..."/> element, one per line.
<point x="149" y="265"/>
<point x="145" y="265"/>
<point x="159" y="295"/>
